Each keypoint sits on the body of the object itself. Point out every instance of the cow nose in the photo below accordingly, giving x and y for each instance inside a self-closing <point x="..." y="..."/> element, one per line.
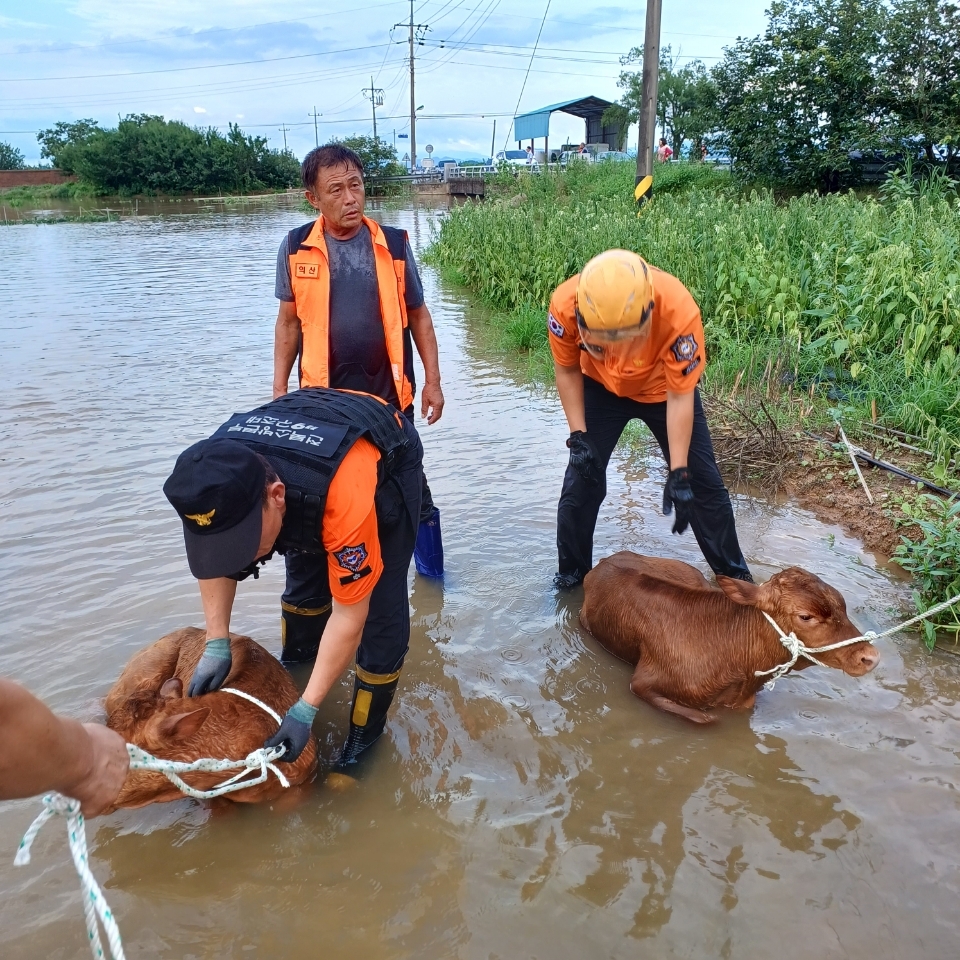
<point x="869" y="659"/>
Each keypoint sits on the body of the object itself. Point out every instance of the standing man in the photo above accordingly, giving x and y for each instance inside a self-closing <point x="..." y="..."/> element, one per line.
<point x="627" y="343"/>
<point x="351" y="301"/>
<point x="335" y="478"/>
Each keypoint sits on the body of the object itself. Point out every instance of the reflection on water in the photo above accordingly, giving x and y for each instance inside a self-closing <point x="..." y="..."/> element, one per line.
<point x="524" y="803"/>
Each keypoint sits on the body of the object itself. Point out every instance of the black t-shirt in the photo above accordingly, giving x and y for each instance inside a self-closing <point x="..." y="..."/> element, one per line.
<point x="358" y="347"/>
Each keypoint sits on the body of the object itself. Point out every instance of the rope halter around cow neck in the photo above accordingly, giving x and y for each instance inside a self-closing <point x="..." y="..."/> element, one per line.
<point x="94" y="902"/>
<point x="797" y="648"/>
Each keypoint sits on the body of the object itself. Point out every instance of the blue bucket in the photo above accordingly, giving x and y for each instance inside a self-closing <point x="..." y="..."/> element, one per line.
<point x="428" y="552"/>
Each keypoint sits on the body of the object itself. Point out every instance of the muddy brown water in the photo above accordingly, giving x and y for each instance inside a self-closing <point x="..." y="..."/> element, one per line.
<point x="523" y="803"/>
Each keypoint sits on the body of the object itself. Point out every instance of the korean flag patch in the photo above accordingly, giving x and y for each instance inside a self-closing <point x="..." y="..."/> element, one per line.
<point x="685" y="348"/>
<point x="555" y="326"/>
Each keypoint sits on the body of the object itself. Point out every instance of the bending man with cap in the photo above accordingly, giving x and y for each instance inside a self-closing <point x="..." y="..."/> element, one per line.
<point x="336" y="477"/>
<point x="627" y="343"/>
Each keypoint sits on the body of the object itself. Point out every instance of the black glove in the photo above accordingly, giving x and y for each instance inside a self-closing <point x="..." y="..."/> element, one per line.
<point x="678" y="495"/>
<point x="295" y="731"/>
<point x="213" y="667"/>
<point x="583" y="458"/>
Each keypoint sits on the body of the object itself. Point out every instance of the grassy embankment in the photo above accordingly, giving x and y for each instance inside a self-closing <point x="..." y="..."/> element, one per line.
<point x="816" y="309"/>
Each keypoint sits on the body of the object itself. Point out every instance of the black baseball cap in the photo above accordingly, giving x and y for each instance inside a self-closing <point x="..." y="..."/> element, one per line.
<point x="217" y="489"/>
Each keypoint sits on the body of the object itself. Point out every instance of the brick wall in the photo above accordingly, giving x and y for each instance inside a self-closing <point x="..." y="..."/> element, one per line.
<point x="31" y="178"/>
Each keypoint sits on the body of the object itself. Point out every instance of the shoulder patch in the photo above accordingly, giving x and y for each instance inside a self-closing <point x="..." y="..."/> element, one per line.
<point x="555" y="326"/>
<point x="352" y="558"/>
<point x="685" y="348"/>
<point x="691" y="366"/>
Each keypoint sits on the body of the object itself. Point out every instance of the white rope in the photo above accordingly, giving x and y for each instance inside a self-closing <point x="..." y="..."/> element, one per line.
<point x="94" y="903"/>
<point x="797" y="648"/>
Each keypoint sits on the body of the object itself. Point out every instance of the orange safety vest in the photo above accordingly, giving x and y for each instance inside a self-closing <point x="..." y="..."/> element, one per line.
<point x="310" y="279"/>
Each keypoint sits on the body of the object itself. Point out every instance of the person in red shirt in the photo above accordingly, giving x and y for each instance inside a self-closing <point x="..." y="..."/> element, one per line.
<point x="627" y="343"/>
<point x="336" y="477"/>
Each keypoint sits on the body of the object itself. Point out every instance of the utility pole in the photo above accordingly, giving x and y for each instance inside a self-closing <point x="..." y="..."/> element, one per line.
<point x="316" y="135"/>
<point x="417" y="32"/>
<point x="493" y="140"/>
<point x="648" y="100"/>
<point x="284" y="128"/>
<point x="375" y="96"/>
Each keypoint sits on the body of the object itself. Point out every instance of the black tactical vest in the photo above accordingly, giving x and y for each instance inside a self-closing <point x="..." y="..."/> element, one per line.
<point x="305" y="435"/>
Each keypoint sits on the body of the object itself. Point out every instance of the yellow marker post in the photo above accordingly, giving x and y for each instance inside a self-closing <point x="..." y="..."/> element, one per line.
<point x="643" y="192"/>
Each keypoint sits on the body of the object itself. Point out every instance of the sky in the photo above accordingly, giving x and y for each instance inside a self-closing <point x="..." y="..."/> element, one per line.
<point x="267" y="66"/>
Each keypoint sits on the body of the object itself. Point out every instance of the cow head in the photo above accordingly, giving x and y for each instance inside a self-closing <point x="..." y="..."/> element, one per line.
<point x="162" y="723"/>
<point x="802" y="603"/>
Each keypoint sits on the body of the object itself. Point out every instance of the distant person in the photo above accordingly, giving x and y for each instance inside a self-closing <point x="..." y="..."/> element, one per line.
<point x="582" y="149"/>
<point x="40" y="751"/>
<point x="664" y="151"/>
<point x="351" y="300"/>
<point x="333" y="478"/>
<point x="627" y="343"/>
<point x="529" y="154"/>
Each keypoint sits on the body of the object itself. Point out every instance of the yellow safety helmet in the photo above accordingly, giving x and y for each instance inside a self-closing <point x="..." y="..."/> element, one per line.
<point x="615" y="294"/>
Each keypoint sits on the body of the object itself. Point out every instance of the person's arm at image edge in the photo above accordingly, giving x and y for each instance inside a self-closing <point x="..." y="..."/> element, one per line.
<point x="40" y="751"/>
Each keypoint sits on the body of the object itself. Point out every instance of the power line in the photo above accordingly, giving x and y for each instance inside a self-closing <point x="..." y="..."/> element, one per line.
<point x="209" y="66"/>
<point x="527" y="74"/>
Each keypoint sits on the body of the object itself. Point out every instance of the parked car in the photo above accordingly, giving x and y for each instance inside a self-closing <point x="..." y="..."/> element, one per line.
<point x="612" y="156"/>
<point x="574" y="156"/>
<point x="514" y="158"/>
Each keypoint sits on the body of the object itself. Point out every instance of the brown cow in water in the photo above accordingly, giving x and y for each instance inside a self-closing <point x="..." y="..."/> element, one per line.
<point x="146" y="707"/>
<point x="696" y="647"/>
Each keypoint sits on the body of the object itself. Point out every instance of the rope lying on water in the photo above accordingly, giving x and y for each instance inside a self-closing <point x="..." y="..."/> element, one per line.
<point x="94" y="902"/>
<point x="797" y="648"/>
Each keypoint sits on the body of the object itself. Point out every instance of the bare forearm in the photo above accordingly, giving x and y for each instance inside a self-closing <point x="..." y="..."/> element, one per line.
<point x="679" y="427"/>
<point x="39" y="751"/>
<point x="425" y="340"/>
<point x="570" y="390"/>
<point x="338" y="647"/>
<point x="286" y="345"/>
<point x="217" y="597"/>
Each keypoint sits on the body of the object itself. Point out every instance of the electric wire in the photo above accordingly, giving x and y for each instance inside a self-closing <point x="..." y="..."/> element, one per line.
<point x="527" y="74"/>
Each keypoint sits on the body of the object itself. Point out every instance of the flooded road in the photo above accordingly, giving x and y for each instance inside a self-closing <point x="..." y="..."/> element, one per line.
<point x="523" y="803"/>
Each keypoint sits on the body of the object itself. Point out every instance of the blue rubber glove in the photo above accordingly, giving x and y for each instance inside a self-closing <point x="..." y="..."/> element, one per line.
<point x="213" y="667"/>
<point x="295" y="731"/>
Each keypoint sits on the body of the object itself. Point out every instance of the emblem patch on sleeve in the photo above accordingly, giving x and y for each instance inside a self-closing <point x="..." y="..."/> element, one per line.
<point x="685" y="348"/>
<point x="555" y="326"/>
<point x="691" y="366"/>
<point x="352" y="558"/>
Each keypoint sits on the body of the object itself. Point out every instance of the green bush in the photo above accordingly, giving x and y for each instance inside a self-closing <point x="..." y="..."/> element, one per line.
<point x="147" y="154"/>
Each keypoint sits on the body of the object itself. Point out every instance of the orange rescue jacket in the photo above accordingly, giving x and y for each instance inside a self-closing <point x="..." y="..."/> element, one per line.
<point x="310" y="279"/>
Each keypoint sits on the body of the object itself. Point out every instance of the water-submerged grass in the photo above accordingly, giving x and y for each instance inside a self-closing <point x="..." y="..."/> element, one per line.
<point x="828" y="307"/>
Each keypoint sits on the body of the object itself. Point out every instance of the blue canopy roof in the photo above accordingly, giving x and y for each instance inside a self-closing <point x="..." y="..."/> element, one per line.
<point x="536" y="123"/>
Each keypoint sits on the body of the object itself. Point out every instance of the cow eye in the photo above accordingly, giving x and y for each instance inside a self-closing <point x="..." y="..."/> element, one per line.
<point x="806" y="617"/>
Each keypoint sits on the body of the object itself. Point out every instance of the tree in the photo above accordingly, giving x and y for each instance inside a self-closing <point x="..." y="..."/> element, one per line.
<point x="920" y="77"/>
<point x="798" y="100"/>
<point x="379" y="159"/>
<point x="686" y="98"/>
<point x="10" y="157"/>
<point x="619" y="116"/>
<point x="57" y="142"/>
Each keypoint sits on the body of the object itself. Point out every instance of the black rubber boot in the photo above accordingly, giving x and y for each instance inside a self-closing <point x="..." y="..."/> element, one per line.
<point x="300" y="631"/>
<point x="372" y="695"/>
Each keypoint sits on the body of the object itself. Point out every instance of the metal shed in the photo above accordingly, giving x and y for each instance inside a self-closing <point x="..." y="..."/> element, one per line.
<point x="536" y="123"/>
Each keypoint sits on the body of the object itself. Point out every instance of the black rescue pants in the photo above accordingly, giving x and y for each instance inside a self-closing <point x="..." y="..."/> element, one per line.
<point x="306" y="601"/>
<point x="426" y="497"/>
<point x="713" y="525"/>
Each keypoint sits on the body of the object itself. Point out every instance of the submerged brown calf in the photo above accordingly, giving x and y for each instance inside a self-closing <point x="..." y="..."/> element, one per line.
<point x="697" y="647"/>
<point x="147" y="707"/>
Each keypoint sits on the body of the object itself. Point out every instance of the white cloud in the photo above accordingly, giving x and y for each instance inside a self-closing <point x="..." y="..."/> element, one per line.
<point x="199" y="109"/>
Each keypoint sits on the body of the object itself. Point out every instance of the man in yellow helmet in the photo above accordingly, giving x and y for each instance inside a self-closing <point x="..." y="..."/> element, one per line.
<point x="627" y="343"/>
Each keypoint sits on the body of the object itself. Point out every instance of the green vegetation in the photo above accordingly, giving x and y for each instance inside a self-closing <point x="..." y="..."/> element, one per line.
<point x="16" y="197"/>
<point x="10" y="157"/>
<point x="146" y="154"/>
<point x="829" y="86"/>
<point x="379" y="159"/>
<point x="842" y="301"/>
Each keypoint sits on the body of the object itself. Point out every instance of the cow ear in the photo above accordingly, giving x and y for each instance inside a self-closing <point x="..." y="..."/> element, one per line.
<point x="172" y="689"/>
<point x="183" y="725"/>
<point x="739" y="591"/>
